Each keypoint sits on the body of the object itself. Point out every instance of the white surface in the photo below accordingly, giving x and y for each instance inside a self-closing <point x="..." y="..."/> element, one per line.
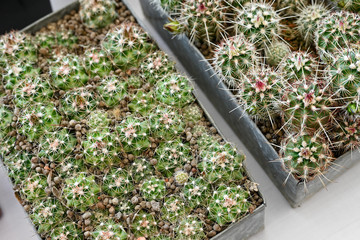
<point x="58" y="4"/>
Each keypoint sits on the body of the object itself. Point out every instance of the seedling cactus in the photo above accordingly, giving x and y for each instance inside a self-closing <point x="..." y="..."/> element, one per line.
<point x="142" y="102"/>
<point x="153" y="189"/>
<point x="17" y="72"/>
<point x="276" y="52"/>
<point x="33" y="188"/>
<point x="112" y="90"/>
<point x="196" y="191"/>
<point x="144" y="225"/>
<point x="97" y="13"/>
<point x="97" y="63"/>
<point x="181" y="177"/>
<point x="67" y="230"/>
<point x="174" y="209"/>
<point x="190" y="228"/>
<point x="299" y="66"/>
<point x="118" y="183"/>
<point x="109" y="230"/>
<point x="166" y="123"/>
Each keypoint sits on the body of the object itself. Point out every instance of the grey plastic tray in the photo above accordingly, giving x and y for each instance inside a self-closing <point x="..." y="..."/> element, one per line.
<point x="223" y="100"/>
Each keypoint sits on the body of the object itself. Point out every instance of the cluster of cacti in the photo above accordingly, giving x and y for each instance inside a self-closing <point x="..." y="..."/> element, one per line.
<point x="97" y="13"/>
<point x="105" y="143"/>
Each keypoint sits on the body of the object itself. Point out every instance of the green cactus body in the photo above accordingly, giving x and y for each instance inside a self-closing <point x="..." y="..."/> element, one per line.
<point x="134" y="82"/>
<point x="125" y="207"/>
<point x="78" y="103"/>
<point x="153" y="189"/>
<point x="228" y="204"/>
<point x="98" y="119"/>
<point x="144" y="225"/>
<point x="118" y="183"/>
<point x="56" y="145"/>
<point x="299" y="66"/>
<point x="47" y="215"/>
<point x="112" y="91"/>
<point x="45" y="40"/>
<point x="18" y="166"/>
<point x="166" y="123"/>
<point x="7" y="145"/>
<point x="80" y="191"/>
<point x="335" y="31"/>
<point x="37" y="119"/>
<point x="70" y="166"/>
<point x="290" y="7"/>
<point x="196" y="191"/>
<point x="276" y="52"/>
<point x="347" y="134"/>
<point x="32" y="90"/>
<point x="308" y="19"/>
<point x="181" y="177"/>
<point x="6" y="117"/>
<point x="234" y="57"/>
<point x="174" y="208"/>
<point x="33" y="188"/>
<point x="305" y="156"/>
<point x="141" y="169"/>
<point x="67" y="39"/>
<point x="174" y="90"/>
<point x="171" y="7"/>
<point x="17" y="72"/>
<point x="192" y="113"/>
<point x="97" y="63"/>
<point x="190" y="228"/>
<point x="142" y="102"/>
<point x="161" y="237"/>
<point x="171" y="155"/>
<point x="134" y="134"/>
<point x="109" y="231"/>
<point x="68" y="72"/>
<point x="67" y="231"/>
<point x="205" y="141"/>
<point x="127" y="45"/>
<point x="350" y="5"/>
<point x="261" y="91"/>
<point x="155" y="66"/>
<point x="97" y="13"/>
<point x="259" y="23"/>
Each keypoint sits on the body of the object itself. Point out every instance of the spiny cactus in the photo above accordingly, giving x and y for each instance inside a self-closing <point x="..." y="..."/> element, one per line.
<point x="276" y="52"/>
<point x="33" y="188"/>
<point x="6" y="116"/>
<point x="98" y="119"/>
<point x="67" y="230"/>
<point x="47" y="215"/>
<point x="112" y="90"/>
<point x="141" y="169"/>
<point x="228" y="203"/>
<point x="144" y="225"/>
<point x="109" y="230"/>
<point x="308" y="19"/>
<point x="45" y="40"/>
<point x="127" y="46"/>
<point x="17" y="72"/>
<point x="97" y="13"/>
<point x="70" y="166"/>
<point x="80" y="191"/>
<point x="18" y="166"/>
<point x="259" y="23"/>
<point x="190" y="228"/>
<point x="78" y="102"/>
<point x="174" y="209"/>
<point x="196" y="191"/>
<point x="347" y="134"/>
<point x="134" y="82"/>
<point x="299" y="66"/>
<point x="174" y="90"/>
<point x="171" y="7"/>
<point x="56" y="145"/>
<point x="68" y="72"/>
<point x="350" y="5"/>
<point x="67" y="39"/>
<point x="118" y="183"/>
<point x="7" y="145"/>
<point x="181" y="177"/>
<point x="166" y="123"/>
<point x="142" y="102"/>
<point x="192" y="113"/>
<point x="172" y="154"/>
<point x="305" y="156"/>
<point x="290" y="7"/>
<point x="153" y="189"/>
<point x="134" y="134"/>
<point x="97" y="63"/>
<point x="234" y="57"/>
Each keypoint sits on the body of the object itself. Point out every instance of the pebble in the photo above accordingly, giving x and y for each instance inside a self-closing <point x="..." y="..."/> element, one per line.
<point x="217" y="227"/>
<point x="87" y="222"/>
<point x="115" y="201"/>
<point x="86" y="215"/>
<point x="211" y="233"/>
<point x="77" y="127"/>
<point x="112" y="210"/>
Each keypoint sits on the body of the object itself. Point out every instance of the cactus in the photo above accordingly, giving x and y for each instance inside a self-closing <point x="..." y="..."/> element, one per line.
<point x="276" y="52"/>
<point x="97" y="13"/>
<point x="32" y="90"/>
<point x="350" y="5"/>
<point x="67" y="39"/>
<point x="196" y="191"/>
<point x="109" y="231"/>
<point x="70" y="166"/>
<point x="68" y="72"/>
<point x="166" y="123"/>
<point x="305" y="156"/>
<point x="134" y="134"/>
<point x="56" y="145"/>
<point x="336" y="30"/>
<point x="35" y="120"/>
<point x="190" y="228"/>
<point x="6" y="116"/>
<point x="80" y="191"/>
<point x="15" y="73"/>
<point x="228" y="203"/>
<point x="290" y="7"/>
<point x="127" y="46"/>
<point x="192" y="113"/>
<point x="7" y="145"/>
<point x="67" y="230"/>
<point x="347" y="134"/>
<point x="233" y="59"/>
<point x="112" y="90"/>
<point x="134" y="82"/>
<point x="33" y="188"/>
<point x="18" y="166"/>
<point x="142" y="102"/>
<point x="308" y="19"/>
<point x="144" y="225"/>
<point x="171" y="7"/>
<point x="153" y="189"/>
<point x="174" y="209"/>
<point x="259" y="23"/>
<point x="98" y="119"/>
<point x="47" y="214"/>
<point x="45" y="40"/>
<point x="97" y="63"/>
<point x="174" y="90"/>
<point x="117" y="183"/>
<point x="141" y="169"/>
<point x="172" y="154"/>
<point x="181" y="177"/>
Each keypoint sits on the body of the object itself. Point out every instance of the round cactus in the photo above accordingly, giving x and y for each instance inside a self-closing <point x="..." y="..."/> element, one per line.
<point x="18" y="166"/>
<point x="192" y="113"/>
<point x="80" y="191"/>
<point x="66" y="231"/>
<point x="67" y="39"/>
<point x="195" y="191"/>
<point x="166" y="123"/>
<point x="45" y="40"/>
<point x="153" y="189"/>
<point x="259" y="22"/>
<point x="117" y="183"/>
<point x="141" y="169"/>
<point x="127" y="46"/>
<point x="6" y="117"/>
<point x="97" y="63"/>
<point x="299" y="66"/>
<point x="347" y="134"/>
<point x="234" y="57"/>
<point x="181" y="177"/>
<point x="174" y="209"/>
<point x="109" y="230"/>
<point x="98" y="119"/>
<point x="144" y="225"/>
<point x="112" y="90"/>
<point x="142" y="102"/>
<point x="70" y="166"/>
<point x="308" y="19"/>
<point x="97" y="13"/>
<point x="276" y="52"/>
<point x="174" y="90"/>
<point x="17" y="72"/>
<point x="190" y="228"/>
<point x="33" y="188"/>
<point x="171" y="155"/>
<point x="78" y="103"/>
<point x="290" y="7"/>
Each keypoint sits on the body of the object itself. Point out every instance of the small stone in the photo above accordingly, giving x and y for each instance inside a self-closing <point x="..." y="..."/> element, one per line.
<point x="87" y="222"/>
<point x="115" y="201"/>
<point x="155" y="206"/>
<point x="131" y="157"/>
<point x="148" y="205"/>
<point x="217" y="227"/>
<point x="86" y="215"/>
<point x="134" y="200"/>
<point x="77" y="127"/>
<point x="112" y="210"/>
<point x="153" y="161"/>
<point x="87" y="234"/>
<point x="211" y="233"/>
<point x="100" y="205"/>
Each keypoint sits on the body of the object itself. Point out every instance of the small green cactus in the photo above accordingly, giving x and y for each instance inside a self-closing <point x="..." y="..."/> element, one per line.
<point x="118" y="183"/>
<point x="276" y="52"/>
<point x="6" y="116"/>
<point x="192" y="113"/>
<point x="190" y="228"/>
<point x="166" y="123"/>
<point x="299" y="66"/>
<point x="174" y="209"/>
<point x="142" y="102"/>
<point x="67" y="39"/>
<point x="97" y="63"/>
<point x="144" y="225"/>
<point x="18" y="166"/>
<point x="17" y="72"/>
<point x="70" y="166"/>
<point x="97" y="13"/>
<point x="45" y="40"/>
<point x="196" y="191"/>
<point x="347" y="134"/>
<point x="109" y="230"/>
<point x="33" y="188"/>
<point x="112" y="90"/>
<point x="141" y="169"/>
<point x="153" y="189"/>
<point x="181" y="177"/>
<point x="98" y="119"/>
<point x="67" y="230"/>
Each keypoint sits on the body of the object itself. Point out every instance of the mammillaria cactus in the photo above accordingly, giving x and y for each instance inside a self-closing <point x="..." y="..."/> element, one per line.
<point x="127" y="45"/>
<point x="142" y="102"/>
<point x="69" y="166"/>
<point x="196" y="191"/>
<point x="80" y="191"/>
<point x="144" y="225"/>
<point x="97" y="13"/>
<point x="259" y="23"/>
<point x="227" y="203"/>
<point x="181" y="177"/>
<point x="174" y="209"/>
<point x="174" y="90"/>
<point x="141" y="169"/>
<point x="6" y="117"/>
<point x="153" y="189"/>
<point x="190" y="228"/>
<point x="166" y="123"/>
<point x="117" y="183"/>
<point x="109" y="230"/>
<point x="192" y="113"/>
<point x="112" y="90"/>
<point x="234" y="57"/>
<point x="18" y="166"/>
<point x="67" y="230"/>
<point x="351" y="5"/>
<point x="290" y="7"/>
<point x="17" y="72"/>
<point x="97" y="63"/>
<point x="45" y="40"/>
<point x="33" y="188"/>
<point x="68" y="72"/>
<point x="78" y="102"/>
<point x="308" y="19"/>
<point x="347" y="134"/>
<point x="276" y="52"/>
<point x="67" y="39"/>
<point x="98" y="119"/>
